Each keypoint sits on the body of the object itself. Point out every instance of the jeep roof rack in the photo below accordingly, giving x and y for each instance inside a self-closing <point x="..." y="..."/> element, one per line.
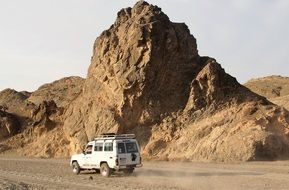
<point x="114" y="136"/>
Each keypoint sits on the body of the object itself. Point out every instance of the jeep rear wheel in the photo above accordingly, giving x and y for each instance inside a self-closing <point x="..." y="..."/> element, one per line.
<point x="75" y="168"/>
<point x="105" y="170"/>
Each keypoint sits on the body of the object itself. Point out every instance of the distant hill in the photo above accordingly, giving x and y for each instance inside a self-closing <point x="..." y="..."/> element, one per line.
<point x="31" y="122"/>
<point x="275" y="88"/>
<point x="62" y="91"/>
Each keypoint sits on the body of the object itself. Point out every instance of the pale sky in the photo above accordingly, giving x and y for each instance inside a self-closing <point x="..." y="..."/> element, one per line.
<point x="45" y="40"/>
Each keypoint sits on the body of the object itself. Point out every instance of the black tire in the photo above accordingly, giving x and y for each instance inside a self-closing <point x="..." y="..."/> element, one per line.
<point x="75" y="168"/>
<point x="128" y="171"/>
<point x="105" y="171"/>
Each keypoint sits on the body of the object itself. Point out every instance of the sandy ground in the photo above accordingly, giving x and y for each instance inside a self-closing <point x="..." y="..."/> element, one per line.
<point x="25" y="173"/>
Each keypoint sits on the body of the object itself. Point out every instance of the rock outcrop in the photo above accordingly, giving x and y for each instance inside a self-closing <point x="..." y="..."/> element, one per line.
<point x="274" y="88"/>
<point x="124" y="86"/>
<point x="146" y="77"/>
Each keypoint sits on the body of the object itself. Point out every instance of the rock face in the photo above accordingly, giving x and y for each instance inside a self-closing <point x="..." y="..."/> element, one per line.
<point x="275" y="88"/>
<point x="44" y="138"/>
<point x="9" y="125"/>
<point x="146" y="77"/>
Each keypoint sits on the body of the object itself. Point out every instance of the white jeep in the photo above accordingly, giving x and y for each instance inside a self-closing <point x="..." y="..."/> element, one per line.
<point x="108" y="153"/>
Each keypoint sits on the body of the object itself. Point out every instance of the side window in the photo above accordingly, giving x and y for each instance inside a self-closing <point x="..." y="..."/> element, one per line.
<point x="88" y="149"/>
<point x="120" y="148"/>
<point x="108" y="147"/>
<point x="98" y="147"/>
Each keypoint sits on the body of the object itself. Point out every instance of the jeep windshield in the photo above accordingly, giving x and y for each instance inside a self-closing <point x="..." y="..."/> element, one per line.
<point x="127" y="147"/>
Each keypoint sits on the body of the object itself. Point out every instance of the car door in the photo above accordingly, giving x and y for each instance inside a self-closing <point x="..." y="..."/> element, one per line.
<point x="97" y="155"/>
<point x="108" y="153"/>
<point x="87" y="156"/>
<point x="132" y="152"/>
<point x="121" y="152"/>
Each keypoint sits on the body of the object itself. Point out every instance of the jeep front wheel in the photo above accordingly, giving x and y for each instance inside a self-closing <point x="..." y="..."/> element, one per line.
<point x="75" y="168"/>
<point x="105" y="170"/>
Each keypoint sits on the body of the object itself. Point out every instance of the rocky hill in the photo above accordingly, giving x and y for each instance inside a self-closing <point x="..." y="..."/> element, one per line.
<point x="146" y="77"/>
<point x="275" y="88"/>
<point x="36" y="118"/>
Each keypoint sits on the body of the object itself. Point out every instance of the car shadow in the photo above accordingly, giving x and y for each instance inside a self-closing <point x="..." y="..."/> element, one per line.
<point x="114" y="174"/>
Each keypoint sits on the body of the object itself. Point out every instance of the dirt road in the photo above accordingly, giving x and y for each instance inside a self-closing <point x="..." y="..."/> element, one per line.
<point x="24" y="173"/>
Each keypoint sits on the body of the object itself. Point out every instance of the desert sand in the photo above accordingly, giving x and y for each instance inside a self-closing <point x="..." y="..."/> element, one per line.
<point x="25" y="173"/>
